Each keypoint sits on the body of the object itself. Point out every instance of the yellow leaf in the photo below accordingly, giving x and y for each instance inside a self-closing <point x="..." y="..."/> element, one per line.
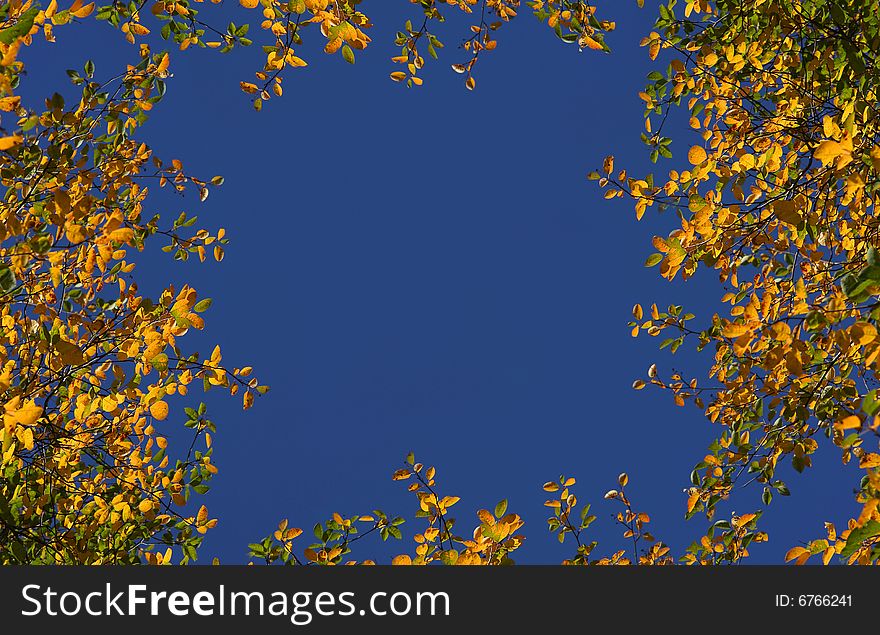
<point x="795" y="552"/>
<point x="75" y="234"/>
<point x="828" y="151"/>
<point x="402" y="560"/>
<point x="735" y="330"/>
<point x="249" y="4"/>
<point x="159" y="410"/>
<point x="9" y="103"/>
<point x="849" y="423"/>
<point x="590" y="43"/>
<point x="10" y="142"/>
<point x="27" y="415"/>
<point x="293" y="60"/>
<point x="449" y="501"/>
<point x="872" y="459"/>
<point x="26" y="436"/>
<point x="692" y="501"/>
<point x="696" y="155"/>
<point x="827" y="555"/>
<point x="83" y="12"/>
<point x="145" y="506"/>
<point x="608" y="164"/>
<point x="122" y="235"/>
<point x="875" y="158"/>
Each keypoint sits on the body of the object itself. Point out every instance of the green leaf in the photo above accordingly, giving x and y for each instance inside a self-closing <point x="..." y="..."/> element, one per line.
<point x="870" y="403"/>
<point x="449" y="556"/>
<point x="7" y="279"/>
<point x="19" y="552"/>
<point x="858" y="536"/>
<point x="160" y="362"/>
<point x="203" y="305"/>
<point x="347" y="54"/>
<point x="20" y="28"/>
<point x="501" y="508"/>
<point x="653" y="259"/>
<point x="6" y="512"/>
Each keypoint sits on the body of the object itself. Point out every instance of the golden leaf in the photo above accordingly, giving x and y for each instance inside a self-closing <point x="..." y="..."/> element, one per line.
<point x="692" y="501"/>
<point x="159" y="410"/>
<point x="27" y="415"/>
<point x="872" y="459"/>
<point x="121" y="235"/>
<point x="75" y="234"/>
<point x="787" y="212"/>
<point x="590" y="43"/>
<point x="9" y="103"/>
<point x="697" y="155"/>
<point x="875" y="158"/>
<point x="828" y="151"/>
<point x="795" y="552"/>
<point x="70" y="354"/>
<point x="734" y="330"/>
<point x="851" y="422"/>
<point x="9" y="142"/>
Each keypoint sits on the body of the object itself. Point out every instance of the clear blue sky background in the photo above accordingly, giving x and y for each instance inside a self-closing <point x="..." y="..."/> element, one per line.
<point x="430" y="270"/>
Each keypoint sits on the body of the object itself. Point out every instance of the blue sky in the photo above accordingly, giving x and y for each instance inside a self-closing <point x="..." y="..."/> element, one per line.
<point x="430" y="270"/>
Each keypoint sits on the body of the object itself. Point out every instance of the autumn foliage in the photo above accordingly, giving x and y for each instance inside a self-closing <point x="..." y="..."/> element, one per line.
<point x="776" y="195"/>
